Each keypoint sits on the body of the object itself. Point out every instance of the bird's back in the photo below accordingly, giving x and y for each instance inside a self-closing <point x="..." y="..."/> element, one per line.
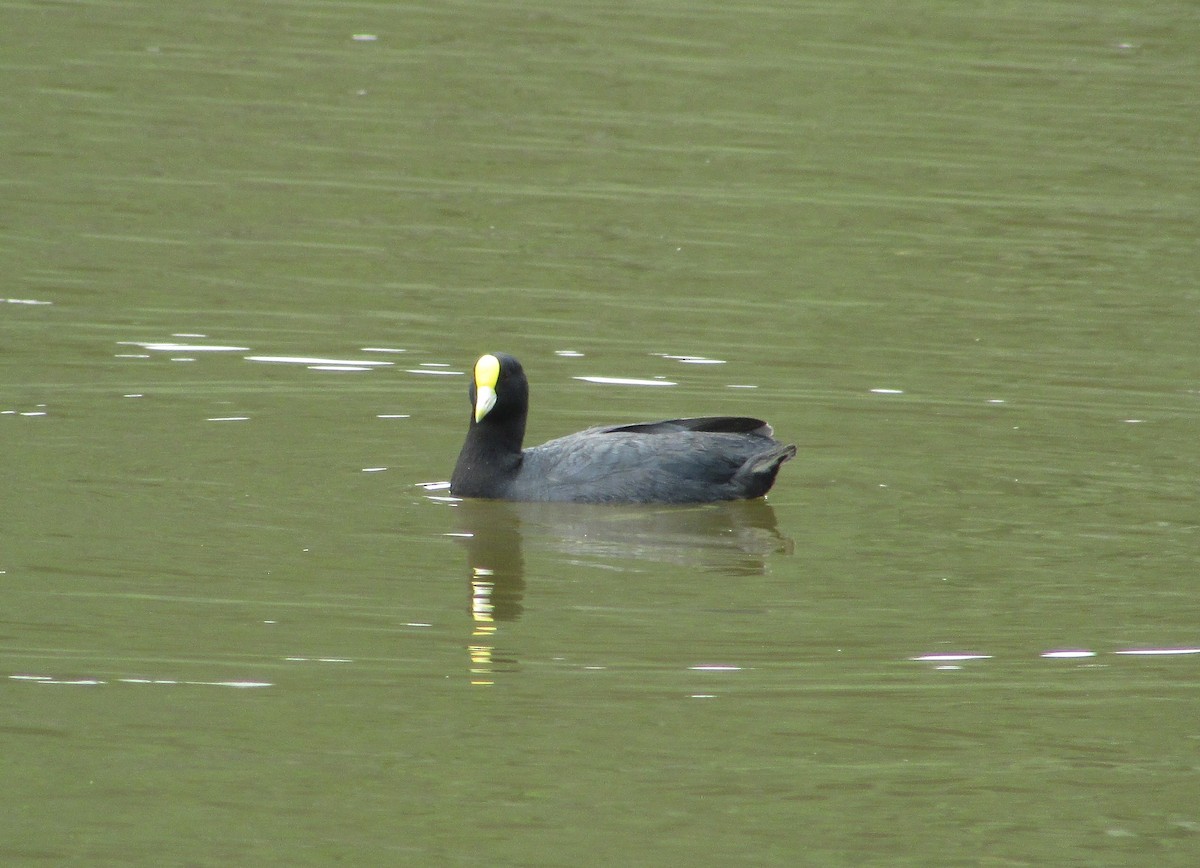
<point x="673" y="461"/>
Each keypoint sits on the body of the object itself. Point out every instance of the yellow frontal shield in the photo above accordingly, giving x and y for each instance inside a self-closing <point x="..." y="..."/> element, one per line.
<point x="487" y="372"/>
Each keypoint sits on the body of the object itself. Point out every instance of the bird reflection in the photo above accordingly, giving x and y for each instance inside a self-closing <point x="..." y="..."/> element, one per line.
<point x="731" y="538"/>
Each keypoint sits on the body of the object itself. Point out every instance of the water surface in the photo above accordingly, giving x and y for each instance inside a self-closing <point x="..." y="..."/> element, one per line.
<point x="251" y="250"/>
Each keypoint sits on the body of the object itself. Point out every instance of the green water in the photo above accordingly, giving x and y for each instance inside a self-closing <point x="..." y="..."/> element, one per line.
<point x="947" y="249"/>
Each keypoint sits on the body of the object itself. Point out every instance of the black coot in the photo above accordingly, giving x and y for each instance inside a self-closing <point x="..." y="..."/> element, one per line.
<point x="674" y="461"/>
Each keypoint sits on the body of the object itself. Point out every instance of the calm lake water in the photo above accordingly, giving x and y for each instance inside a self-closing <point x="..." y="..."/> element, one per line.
<point x="949" y="250"/>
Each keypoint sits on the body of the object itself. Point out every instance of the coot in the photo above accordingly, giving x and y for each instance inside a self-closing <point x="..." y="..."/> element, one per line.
<point x="700" y="460"/>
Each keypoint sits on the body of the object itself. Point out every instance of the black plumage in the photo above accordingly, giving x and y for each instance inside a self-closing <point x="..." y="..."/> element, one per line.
<point x="699" y="460"/>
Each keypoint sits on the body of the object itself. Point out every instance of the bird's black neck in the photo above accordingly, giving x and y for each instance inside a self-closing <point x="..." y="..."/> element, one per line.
<point x="490" y="455"/>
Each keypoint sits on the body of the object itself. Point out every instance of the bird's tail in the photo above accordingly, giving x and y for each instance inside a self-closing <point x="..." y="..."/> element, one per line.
<point x="757" y="475"/>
